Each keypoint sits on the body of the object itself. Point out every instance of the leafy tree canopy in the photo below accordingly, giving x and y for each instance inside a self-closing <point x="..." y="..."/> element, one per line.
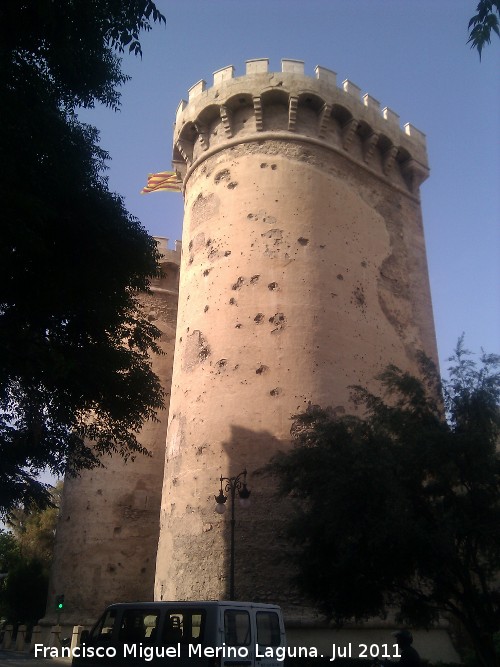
<point x="9" y="552"/>
<point x="483" y="24"/>
<point x="401" y="508"/>
<point x="25" y="559"/>
<point x="73" y="343"/>
<point x="33" y="530"/>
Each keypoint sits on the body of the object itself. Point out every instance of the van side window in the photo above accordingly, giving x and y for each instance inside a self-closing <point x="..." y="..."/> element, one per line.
<point x="103" y="630"/>
<point x="268" y="628"/>
<point x="236" y="627"/>
<point x="185" y="626"/>
<point x="139" y="626"/>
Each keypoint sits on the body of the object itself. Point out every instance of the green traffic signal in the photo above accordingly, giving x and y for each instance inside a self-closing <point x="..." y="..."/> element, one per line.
<point x="59" y="602"/>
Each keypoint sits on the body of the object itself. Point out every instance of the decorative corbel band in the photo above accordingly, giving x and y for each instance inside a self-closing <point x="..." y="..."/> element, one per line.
<point x="257" y="106"/>
<point x="348" y="132"/>
<point x="180" y="145"/>
<point x="292" y="112"/>
<point x="414" y="174"/>
<point x="203" y="135"/>
<point x="369" y="146"/>
<point x="389" y="158"/>
<point x="324" y="117"/>
<point x="226" y="117"/>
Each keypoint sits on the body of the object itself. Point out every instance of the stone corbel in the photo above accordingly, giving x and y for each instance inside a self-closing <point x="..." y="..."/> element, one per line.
<point x="414" y="174"/>
<point x="226" y="116"/>
<point x="185" y="149"/>
<point x="292" y="112"/>
<point x="257" y="107"/>
<point x="324" y="117"/>
<point x="388" y="159"/>
<point x="180" y="169"/>
<point x="348" y="132"/>
<point x="369" y="145"/>
<point x="203" y="135"/>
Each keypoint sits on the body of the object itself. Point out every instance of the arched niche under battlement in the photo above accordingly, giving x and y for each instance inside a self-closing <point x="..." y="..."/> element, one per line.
<point x="384" y="143"/>
<point x="388" y="158"/>
<point x="364" y="145"/>
<point x="341" y="115"/>
<point x="238" y="115"/>
<point x="412" y="173"/>
<point x="304" y="111"/>
<point x="364" y="130"/>
<point x="403" y="156"/>
<point x="239" y="101"/>
<point x="275" y="108"/>
<point x="184" y="146"/>
<point x="311" y="100"/>
<point x="207" y="116"/>
<point x="306" y="114"/>
<point x="208" y="128"/>
<point x="274" y="95"/>
<point x="373" y="156"/>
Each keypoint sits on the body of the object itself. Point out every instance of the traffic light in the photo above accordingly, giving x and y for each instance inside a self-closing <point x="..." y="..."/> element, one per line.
<point x="59" y="602"/>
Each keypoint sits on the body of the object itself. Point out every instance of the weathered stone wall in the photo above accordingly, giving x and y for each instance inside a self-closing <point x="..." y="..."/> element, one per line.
<point x="303" y="272"/>
<point x="107" y="533"/>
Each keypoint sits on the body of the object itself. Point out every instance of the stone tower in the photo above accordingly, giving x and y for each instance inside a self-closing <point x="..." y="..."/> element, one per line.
<point x="303" y="272"/>
<point x="108" y="525"/>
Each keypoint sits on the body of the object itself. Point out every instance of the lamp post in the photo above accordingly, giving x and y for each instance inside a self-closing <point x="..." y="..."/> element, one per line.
<point x="233" y="484"/>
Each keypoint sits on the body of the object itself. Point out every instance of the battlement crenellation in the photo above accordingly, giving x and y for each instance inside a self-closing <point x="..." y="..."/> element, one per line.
<point x="172" y="255"/>
<point x="298" y="107"/>
<point x="289" y="66"/>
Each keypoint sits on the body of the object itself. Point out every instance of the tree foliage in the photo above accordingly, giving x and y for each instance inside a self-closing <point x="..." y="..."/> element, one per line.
<point x="9" y="551"/>
<point x="24" y="595"/>
<point x="74" y="346"/>
<point x="401" y="508"/>
<point x="34" y="529"/>
<point x="483" y="24"/>
<point x="25" y="557"/>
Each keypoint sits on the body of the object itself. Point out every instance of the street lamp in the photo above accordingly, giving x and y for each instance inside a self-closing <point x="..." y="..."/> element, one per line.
<point x="233" y="484"/>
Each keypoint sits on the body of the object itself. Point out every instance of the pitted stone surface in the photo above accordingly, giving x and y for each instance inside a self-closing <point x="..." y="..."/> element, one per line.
<point x="313" y="277"/>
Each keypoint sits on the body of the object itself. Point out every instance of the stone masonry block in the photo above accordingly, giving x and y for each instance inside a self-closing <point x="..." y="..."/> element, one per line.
<point x="351" y="89"/>
<point x="292" y="66"/>
<point x="197" y="89"/>
<point x="326" y="75"/>
<point x="257" y="66"/>
<point x="223" y="74"/>
<point x="370" y="102"/>
<point x="390" y="116"/>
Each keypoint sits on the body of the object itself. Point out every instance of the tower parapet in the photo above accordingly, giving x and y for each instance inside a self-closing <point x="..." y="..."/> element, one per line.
<point x="172" y="255"/>
<point x="315" y="109"/>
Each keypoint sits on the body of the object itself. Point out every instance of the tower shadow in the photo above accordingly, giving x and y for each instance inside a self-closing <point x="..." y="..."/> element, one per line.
<point x="261" y="567"/>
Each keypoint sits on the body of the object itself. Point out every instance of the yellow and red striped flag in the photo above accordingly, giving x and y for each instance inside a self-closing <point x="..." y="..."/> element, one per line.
<point x="163" y="180"/>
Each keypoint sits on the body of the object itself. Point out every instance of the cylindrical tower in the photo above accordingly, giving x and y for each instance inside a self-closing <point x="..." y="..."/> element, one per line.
<point x="303" y="272"/>
<point x="108" y="526"/>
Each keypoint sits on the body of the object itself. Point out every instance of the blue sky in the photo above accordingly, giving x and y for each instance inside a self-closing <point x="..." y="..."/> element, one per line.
<point x="411" y="55"/>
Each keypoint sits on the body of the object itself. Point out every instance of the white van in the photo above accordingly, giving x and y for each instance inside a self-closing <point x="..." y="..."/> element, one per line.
<point x="185" y="634"/>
